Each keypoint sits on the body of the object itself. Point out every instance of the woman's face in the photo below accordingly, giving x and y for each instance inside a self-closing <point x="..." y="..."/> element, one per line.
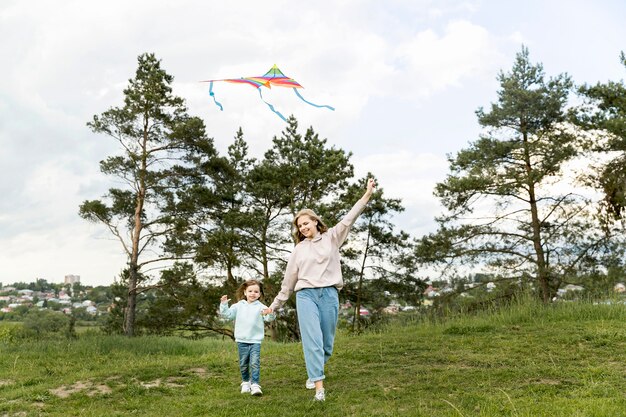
<point x="307" y="226"/>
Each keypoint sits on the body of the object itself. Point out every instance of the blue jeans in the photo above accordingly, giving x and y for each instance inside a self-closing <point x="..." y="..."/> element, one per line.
<point x="318" y="309"/>
<point x="250" y="361"/>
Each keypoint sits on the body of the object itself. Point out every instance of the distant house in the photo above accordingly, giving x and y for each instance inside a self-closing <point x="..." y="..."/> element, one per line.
<point x="72" y="279"/>
<point x="431" y="292"/>
<point x="619" y="287"/>
<point x="391" y="309"/>
<point x="561" y="292"/>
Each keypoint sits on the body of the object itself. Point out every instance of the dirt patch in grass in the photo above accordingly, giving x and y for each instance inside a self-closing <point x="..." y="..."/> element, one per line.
<point x="170" y="382"/>
<point x="88" y="387"/>
<point x="199" y="372"/>
<point x="91" y="388"/>
<point x="4" y="382"/>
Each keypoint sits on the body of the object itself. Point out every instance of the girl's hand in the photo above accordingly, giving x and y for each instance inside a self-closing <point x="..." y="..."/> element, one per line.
<point x="224" y="299"/>
<point x="266" y="311"/>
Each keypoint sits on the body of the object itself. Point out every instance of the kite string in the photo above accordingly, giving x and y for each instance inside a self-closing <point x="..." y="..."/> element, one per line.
<point x="312" y="104"/>
<point x="212" y="94"/>
<point x="270" y="106"/>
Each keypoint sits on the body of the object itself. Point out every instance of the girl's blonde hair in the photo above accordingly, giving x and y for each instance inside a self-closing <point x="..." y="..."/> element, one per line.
<point x="321" y="226"/>
<point x="240" y="294"/>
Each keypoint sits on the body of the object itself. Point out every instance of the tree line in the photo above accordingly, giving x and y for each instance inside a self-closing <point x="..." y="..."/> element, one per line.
<point x="206" y="221"/>
<point x="194" y="223"/>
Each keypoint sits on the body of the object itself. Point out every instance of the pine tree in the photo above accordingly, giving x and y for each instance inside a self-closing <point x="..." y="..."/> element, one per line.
<point x="157" y="139"/>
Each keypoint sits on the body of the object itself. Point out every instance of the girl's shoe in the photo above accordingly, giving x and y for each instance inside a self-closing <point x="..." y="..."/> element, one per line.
<point x="255" y="389"/>
<point x="320" y="395"/>
<point x="309" y="384"/>
<point x="245" y="387"/>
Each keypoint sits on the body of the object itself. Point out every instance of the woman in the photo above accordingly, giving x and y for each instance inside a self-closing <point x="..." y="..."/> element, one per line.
<point x="314" y="273"/>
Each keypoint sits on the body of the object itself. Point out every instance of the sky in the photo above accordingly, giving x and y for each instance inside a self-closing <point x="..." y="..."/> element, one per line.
<point x="405" y="78"/>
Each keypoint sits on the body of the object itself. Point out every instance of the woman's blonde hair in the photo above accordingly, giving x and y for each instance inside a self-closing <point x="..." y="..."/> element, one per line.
<point x="240" y="294"/>
<point x="321" y="227"/>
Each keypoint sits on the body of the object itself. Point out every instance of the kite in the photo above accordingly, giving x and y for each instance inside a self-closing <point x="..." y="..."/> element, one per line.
<point x="274" y="77"/>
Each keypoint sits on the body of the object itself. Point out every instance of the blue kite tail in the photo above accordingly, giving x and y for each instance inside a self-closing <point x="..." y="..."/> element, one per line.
<point x="312" y="104"/>
<point x="270" y="106"/>
<point x="212" y="94"/>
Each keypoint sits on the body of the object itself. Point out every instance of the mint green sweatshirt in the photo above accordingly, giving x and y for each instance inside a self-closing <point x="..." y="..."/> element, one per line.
<point x="249" y="323"/>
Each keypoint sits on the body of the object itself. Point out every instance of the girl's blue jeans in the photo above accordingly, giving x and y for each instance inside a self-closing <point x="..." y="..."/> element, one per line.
<point x="318" y="309"/>
<point x="250" y="361"/>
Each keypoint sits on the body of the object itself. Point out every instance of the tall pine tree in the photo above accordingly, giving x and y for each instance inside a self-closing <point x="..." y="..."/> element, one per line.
<point x="157" y="138"/>
<point x="505" y="208"/>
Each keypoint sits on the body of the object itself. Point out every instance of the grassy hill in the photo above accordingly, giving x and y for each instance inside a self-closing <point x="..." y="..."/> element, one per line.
<point x="567" y="359"/>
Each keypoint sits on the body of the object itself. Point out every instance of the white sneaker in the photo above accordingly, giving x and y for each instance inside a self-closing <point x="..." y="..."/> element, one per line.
<point x="245" y="387"/>
<point x="320" y="395"/>
<point x="310" y="384"/>
<point x="255" y="389"/>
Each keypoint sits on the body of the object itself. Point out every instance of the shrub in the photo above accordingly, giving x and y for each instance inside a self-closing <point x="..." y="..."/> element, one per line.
<point x="8" y="334"/>
<point x="44" y="323"/>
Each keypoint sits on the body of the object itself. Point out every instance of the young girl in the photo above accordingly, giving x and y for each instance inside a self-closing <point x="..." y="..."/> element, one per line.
<point x="249" y="331"/>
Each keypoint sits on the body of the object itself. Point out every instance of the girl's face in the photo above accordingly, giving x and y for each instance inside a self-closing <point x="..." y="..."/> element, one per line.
<point x="252" y="293"/>
<point x="307" y="226"/>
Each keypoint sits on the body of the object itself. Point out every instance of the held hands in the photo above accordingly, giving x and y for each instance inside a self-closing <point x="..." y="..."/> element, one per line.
<point x="224" y="299"/>
<point x="266" y="311"/>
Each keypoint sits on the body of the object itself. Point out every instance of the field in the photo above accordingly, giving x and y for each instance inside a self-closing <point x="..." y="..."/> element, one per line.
<point x="527" y="360"/>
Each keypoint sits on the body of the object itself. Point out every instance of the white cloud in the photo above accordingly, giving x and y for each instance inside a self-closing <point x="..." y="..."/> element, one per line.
<point x="433" y="62"/>
<point x="47" y="239"/>
<point x="519" y="38"/>
<point x="410" y="177"/>
<point x="51" y="253"/>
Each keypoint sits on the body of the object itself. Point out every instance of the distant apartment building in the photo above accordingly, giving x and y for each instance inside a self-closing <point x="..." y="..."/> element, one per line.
<point x="71" y="279"/>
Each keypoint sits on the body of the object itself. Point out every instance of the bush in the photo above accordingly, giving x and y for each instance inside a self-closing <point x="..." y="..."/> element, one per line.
<point x="44" y="323"/>
<point x="8" y="334"/>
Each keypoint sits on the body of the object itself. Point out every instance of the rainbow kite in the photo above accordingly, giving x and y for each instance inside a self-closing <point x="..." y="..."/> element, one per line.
<point x="274" y="77"/>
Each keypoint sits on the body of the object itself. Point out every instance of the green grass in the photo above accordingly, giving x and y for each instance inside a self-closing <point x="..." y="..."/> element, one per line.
<point x="526" y="360"/>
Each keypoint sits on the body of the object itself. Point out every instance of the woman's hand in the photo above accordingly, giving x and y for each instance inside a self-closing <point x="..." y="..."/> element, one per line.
<point x="266" y="311"/>
<point x="371" y="184"/>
